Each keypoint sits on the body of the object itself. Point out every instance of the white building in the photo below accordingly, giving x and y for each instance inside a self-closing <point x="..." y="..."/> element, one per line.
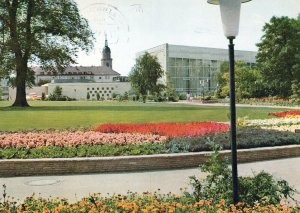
<point x="79" y="81"/>
<point x="193" y="70"/>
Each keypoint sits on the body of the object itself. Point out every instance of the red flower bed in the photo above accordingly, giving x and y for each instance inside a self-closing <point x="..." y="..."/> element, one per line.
<point x="165" y="129"/>
<point x="290" y="113"/>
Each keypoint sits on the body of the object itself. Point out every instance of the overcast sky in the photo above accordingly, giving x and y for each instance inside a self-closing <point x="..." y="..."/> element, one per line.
<point x="135" y="25"/>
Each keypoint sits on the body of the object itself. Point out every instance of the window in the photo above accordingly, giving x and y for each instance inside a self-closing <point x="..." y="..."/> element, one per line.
<point x="88" y="88"/>
<point x="112" y="88"/>
<point x="98" y="88"/>
<point x="92" y="88"/>
<point x="99" y="77"/>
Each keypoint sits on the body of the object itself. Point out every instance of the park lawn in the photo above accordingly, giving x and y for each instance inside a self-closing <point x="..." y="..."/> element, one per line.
<point x="76" y="114"/>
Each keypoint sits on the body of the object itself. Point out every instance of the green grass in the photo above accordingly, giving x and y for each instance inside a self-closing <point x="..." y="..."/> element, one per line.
<point x="45" y="115"/>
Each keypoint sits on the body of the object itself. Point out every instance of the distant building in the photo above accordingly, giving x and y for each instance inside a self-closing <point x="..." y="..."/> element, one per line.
<point x="77" y="81"/>
<point x="193" y="70"/>
<point x="4" y="94"/>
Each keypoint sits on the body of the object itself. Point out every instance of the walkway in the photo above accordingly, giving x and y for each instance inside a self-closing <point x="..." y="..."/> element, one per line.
<point x="75" y="187"/>
<point x="237" y="105"/>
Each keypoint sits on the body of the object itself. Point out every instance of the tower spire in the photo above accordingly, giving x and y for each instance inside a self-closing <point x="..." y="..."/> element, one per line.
<point x="106" y="43"/>
<point x="106" y="60"/>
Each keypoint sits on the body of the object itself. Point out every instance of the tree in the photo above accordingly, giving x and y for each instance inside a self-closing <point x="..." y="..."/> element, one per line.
<point x="39" y="32"/>
<point x="248" y="81"/>
<point x="278" y="55"/>
<point x="144" y="75"/>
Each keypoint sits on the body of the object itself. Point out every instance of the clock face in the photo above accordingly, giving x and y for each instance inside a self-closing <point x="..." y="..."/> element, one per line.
<point x="107" y="20"/>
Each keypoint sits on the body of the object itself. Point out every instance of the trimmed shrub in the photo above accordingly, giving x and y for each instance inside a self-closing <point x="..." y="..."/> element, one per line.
<point x="246" y="138"/>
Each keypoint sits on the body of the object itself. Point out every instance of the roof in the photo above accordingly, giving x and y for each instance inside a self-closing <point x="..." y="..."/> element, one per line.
<point x="81" y="70"/>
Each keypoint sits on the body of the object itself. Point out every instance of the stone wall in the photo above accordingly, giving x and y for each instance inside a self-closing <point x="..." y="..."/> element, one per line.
<point x="59" y="166"/>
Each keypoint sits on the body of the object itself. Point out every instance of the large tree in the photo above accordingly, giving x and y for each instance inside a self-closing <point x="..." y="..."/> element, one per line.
<point x="145" y="74"/>
<point x="278" y="55"/>
<point x="248" y="80"/>
<point x="47" y="33"/>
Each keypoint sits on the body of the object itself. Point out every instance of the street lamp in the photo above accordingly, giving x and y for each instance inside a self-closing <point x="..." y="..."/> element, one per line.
<point x="230" y="14"/>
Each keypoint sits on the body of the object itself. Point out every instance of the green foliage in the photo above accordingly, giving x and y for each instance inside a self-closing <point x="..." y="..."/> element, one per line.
<point x="278" y="56"/>
<point x="182" y="96"/>
<point x="217" y="184"/>
<point x="145" y="74"/>
<point x="57" y="95"/>
<point x="264" y="187"/>
<point x="43" y="96"/>
<point x="98" y="96"/>
<point x="248" y="80"/>
<point x="246" y="138"/>
<point x="126" y="96"/>
<point x="42" y="82"/>
<point x="47" y="33"/>
<point x="88" y="96"/>
<point x="1" y="93"/>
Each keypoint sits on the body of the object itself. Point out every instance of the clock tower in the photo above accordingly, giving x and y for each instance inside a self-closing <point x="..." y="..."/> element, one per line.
<point x="106" y="60"/>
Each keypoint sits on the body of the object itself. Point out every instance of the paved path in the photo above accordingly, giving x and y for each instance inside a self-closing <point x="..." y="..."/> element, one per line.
<point x="237" y="105"/>
<point x="75" y="187"/>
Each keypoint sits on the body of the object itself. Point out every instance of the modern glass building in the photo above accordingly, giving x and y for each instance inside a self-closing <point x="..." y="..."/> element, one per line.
<point x="193" y="70"/>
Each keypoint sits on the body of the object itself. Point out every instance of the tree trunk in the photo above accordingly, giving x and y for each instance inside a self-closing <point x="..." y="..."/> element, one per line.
<point x="20" y="100"/>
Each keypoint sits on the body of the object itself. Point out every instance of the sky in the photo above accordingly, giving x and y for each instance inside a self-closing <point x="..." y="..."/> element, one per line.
<point x="132" y="26"/>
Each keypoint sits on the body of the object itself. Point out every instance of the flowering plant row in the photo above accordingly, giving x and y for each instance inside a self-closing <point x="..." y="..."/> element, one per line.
<point x="290" y="128"/>
<point x="272" y="122"/>
<point x="66" y="138"/>
<point x="290" y="113"/>
<point x="133" y="202"/>
<point x="166" y="129"/>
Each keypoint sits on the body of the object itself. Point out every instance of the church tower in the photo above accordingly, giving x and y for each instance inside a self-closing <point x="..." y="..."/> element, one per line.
<point x="106" y="60"/>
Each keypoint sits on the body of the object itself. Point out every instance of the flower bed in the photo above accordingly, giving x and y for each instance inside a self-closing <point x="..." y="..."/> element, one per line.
<point x="133" y="202"/>
<point x="273" y="122"/>
<point x="67" y="138"/>
<point x="290" y="113"/>
<point x="166" y="129"/>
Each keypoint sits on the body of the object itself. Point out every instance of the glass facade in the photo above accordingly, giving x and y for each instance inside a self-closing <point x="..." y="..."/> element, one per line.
<point x="194" y="70"/>
<point x="192" y="76"/>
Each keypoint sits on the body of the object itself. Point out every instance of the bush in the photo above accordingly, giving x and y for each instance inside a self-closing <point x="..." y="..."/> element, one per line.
<point x="262" y="187"/>
<point x="247" y="137"/>
<point x="57" y="95"/>
<point x="182" y="96"/>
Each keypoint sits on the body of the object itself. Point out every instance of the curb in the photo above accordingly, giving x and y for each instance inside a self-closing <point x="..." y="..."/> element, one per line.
<point x="66" y="166"/>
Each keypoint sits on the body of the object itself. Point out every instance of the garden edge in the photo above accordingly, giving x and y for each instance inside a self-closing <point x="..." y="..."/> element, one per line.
<point x="67" y="166"/>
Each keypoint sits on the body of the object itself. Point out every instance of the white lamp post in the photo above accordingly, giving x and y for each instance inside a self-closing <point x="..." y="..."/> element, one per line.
<point x="230" y="14"/>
